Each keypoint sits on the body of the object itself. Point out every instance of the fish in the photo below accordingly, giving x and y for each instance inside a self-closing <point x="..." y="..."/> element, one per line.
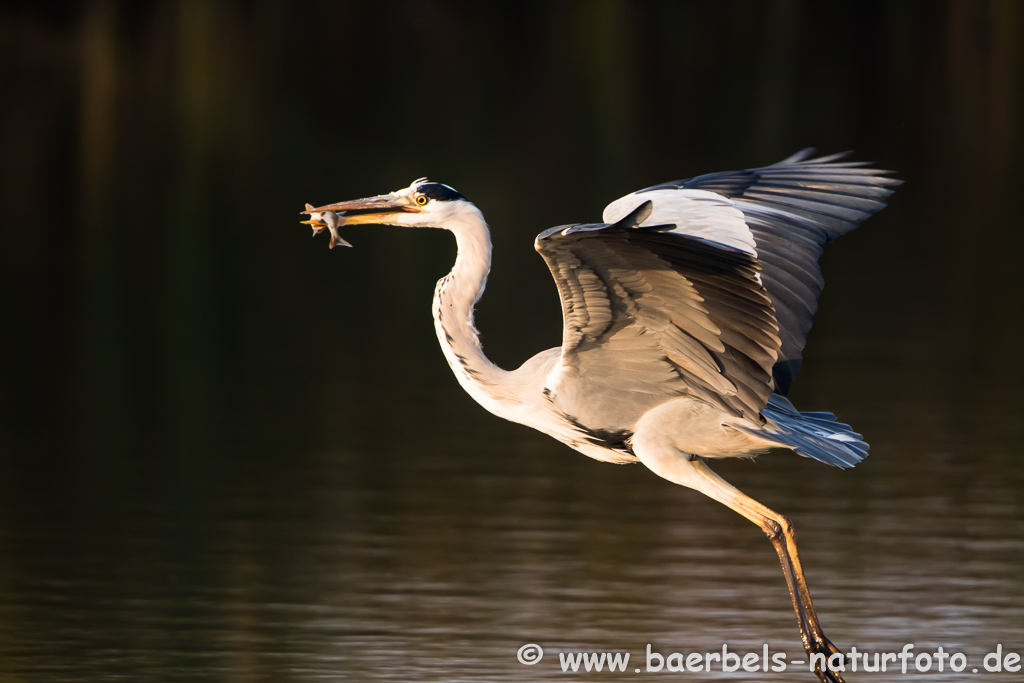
<point x="318" y="220"/>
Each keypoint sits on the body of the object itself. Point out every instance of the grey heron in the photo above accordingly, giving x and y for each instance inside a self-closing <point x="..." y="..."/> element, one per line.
<point x="685" y="313"/>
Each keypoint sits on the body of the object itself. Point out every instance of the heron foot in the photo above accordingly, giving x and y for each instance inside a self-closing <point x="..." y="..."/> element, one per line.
<point x="821" y="645"/>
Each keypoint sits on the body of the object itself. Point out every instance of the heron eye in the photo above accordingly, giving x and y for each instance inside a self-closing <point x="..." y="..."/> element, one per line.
<point x="422" y="199"/>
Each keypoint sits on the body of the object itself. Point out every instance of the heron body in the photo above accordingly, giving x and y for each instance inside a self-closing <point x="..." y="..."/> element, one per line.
<point x="685" y="313"/>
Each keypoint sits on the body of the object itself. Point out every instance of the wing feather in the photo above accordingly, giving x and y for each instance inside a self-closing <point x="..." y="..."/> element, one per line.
<point x="790" y="209"/>
<point x="651" y="314"/>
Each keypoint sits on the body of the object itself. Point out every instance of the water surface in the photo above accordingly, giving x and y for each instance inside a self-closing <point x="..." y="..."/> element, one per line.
<point x="228" y="453"/>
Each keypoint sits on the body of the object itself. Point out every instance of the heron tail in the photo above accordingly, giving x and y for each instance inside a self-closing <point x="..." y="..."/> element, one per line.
<point x="814" y="435"/>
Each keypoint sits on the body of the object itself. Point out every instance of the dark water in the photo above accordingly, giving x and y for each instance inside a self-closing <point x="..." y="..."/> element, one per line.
<point x="437" y="554"/>
<point x="227" y="453"/>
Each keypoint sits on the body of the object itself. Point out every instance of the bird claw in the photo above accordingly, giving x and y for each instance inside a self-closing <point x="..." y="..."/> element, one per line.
<point x="319" y="220"/>
<point x="824" y="646"/>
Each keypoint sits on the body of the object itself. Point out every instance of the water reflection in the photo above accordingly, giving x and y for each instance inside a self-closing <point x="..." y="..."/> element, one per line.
<point x="436" y="562"/>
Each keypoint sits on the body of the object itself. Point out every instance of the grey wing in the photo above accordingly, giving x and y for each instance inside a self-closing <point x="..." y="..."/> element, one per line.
<point x="792" y="208"/>
<point x="650" y="315"/>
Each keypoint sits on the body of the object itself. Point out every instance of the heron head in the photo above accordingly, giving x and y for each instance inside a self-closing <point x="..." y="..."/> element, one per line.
<point x="424" y="204"/>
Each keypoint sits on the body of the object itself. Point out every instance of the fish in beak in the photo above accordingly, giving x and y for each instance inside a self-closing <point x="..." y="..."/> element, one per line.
<point x="320" y="219"/>
<point x="372" y="210"/>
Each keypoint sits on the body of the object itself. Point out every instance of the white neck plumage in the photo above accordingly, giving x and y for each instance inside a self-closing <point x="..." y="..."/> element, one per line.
<point x="454" y="298"/>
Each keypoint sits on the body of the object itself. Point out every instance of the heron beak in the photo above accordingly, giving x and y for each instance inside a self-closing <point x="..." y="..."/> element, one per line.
<point x="371" y="210"/>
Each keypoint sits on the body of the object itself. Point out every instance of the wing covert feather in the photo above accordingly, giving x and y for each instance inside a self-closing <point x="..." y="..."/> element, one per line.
<point x="790" y="209"/>
<point x="648" y="315"/>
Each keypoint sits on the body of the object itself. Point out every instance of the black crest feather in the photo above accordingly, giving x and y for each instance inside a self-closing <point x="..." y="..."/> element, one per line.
<point x="439" y="192"/>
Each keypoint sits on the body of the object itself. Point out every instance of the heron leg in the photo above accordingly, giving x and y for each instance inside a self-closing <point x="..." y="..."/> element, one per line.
<point x="780" y="532"/>
<point x="697" y="475"/>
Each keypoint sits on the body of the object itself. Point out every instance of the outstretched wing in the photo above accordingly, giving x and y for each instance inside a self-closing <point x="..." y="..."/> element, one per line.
<point x="650" y="314"/>
<point x="782" y="214"/>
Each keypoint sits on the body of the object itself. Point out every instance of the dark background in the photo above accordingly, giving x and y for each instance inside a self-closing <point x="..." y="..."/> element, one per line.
<point x="172" y="341"/>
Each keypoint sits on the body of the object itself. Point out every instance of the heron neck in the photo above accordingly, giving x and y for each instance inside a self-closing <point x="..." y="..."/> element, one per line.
<point x="454" y="299"/>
